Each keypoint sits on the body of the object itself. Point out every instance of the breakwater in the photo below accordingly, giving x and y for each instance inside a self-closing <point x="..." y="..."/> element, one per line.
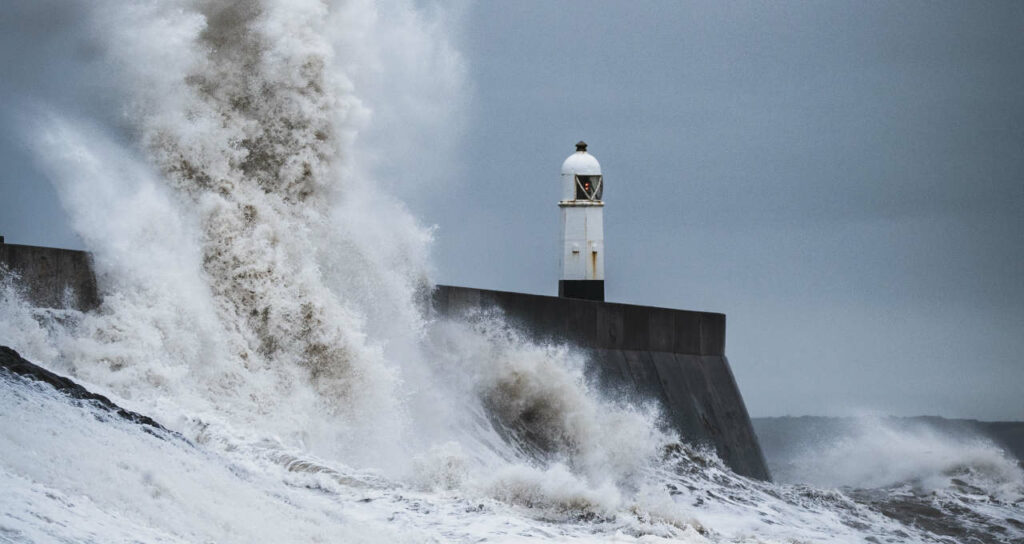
<point x="673" y="357"/>
<point x="51" y="277"/>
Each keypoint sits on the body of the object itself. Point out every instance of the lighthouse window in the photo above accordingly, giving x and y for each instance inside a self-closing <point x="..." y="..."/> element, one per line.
<point x="589" y="187"/>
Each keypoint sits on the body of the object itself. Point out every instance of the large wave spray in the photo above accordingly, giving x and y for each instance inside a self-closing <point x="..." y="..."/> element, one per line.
<point x="255" y="278"/>
<point x="215" y="237"/>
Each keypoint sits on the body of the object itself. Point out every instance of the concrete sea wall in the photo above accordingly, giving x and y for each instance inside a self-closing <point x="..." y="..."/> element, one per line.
<point x="51" y="277"/>
<point x="673" y="357"/>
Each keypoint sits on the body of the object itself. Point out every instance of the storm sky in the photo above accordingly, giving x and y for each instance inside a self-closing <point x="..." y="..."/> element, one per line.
<point x="844" y="180"/>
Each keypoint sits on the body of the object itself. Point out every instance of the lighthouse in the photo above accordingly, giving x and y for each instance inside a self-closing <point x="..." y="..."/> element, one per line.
<point x="582" y="260"/>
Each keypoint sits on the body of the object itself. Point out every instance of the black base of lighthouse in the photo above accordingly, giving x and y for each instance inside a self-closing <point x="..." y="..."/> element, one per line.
<point x="585" y="289"/>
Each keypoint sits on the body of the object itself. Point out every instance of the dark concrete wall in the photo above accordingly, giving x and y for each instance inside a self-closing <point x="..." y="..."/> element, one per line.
<point x="675" y="357"/>
<point x="52" y="278"/>
<point x="594" y="324"/>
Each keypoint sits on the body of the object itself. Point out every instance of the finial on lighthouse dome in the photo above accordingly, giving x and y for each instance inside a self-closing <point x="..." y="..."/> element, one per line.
<point x="581" y="177"/>
<point x="581" y="162"/>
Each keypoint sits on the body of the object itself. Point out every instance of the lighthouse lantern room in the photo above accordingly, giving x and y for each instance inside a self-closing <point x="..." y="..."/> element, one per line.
<point x="582" y="229"/>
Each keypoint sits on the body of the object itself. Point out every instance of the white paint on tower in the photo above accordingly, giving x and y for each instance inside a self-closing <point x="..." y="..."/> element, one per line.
<point x="582" y="217"/>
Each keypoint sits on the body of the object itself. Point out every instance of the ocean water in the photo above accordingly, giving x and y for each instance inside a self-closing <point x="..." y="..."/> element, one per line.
<point x="264" y="298"/>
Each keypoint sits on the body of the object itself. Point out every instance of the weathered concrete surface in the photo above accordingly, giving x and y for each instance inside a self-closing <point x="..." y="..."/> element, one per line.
<point x="675" y="357"/>
<point x="13" y="363"/>
<point x="52" y="278"/>
<point x="593" y="324"/>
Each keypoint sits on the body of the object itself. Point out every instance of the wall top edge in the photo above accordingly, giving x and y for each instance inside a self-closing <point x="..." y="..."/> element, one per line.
<point x="580" y="300"/>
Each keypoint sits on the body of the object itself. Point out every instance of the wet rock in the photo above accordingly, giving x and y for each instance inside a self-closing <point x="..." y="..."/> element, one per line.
<point x="12" y="363"/>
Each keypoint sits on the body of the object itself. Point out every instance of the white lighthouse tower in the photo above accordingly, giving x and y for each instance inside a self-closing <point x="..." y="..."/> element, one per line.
<point x="582" y="227"/>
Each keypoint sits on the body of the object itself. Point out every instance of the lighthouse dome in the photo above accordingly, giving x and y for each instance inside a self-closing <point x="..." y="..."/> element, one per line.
<point x="581" y="162"/>
<point x="582" y="181"/>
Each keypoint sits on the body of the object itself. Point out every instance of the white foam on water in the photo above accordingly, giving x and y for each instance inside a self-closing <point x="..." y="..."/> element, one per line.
<point x="267" y="299"/>
<point x="878" y="452"/>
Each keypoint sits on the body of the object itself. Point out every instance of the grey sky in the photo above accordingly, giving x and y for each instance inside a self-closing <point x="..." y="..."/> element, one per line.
<point x="844" y="180"/>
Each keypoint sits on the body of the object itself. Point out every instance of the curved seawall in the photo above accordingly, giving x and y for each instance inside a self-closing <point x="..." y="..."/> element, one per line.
<point x="674" y="357"/>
